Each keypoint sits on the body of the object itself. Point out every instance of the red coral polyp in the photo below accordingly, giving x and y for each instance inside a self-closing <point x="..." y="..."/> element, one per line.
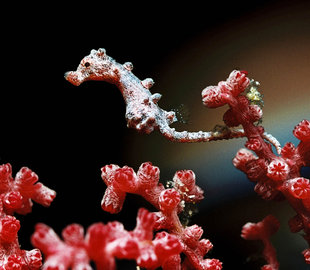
<point x="34" y="258"/>
<point x="255" y="169"/>
<point x="184" y="180"/>
<point x="302" y="131"/>
<point x="5" y="176"/>
<point x="9" y="228"/>
<point x="242" y="157"/>
<point x="254" y="144"/>
<point x="14" y="262"/>
<point x="13" y="200"/>
<point x="73" y="235"/>
<point x="238" y="81"/>
<point x="212" y="264"/>
<point x="300" y="188"/>
<point x="216" y="96"/>
<point x="192" y="235"/>
<point x="107" y="173"/>
<point x="148" y="175"/>
<point x="125" y="179"/>
<point x="166" y="245"/>
<point x="278" y="170"/>
<point x="168" y="200"/>
<point x="213" y="97"/>
<point x="288" y="150"/>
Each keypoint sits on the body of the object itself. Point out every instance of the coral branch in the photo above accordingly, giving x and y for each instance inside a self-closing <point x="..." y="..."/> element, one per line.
<point x="276" y="177"/>
<point x="263" y="231"/>
<point x="16" y="196"/>
<point x="103" y="244"/>
<point x="169" y="203"/>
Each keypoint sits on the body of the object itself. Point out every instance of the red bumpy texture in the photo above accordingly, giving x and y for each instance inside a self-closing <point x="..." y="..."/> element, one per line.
<point x="103" y="243"/>
<point x="275" y="176"/>
<point x="16" y="195"/>
<point x="169" y="202"/>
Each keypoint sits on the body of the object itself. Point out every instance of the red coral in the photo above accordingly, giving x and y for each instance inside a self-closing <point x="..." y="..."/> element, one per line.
<point x="184" y="182"/>
<point x="276" y="177"/>
<point x="125" y="179"/>
<point x="299" y="187"/>
<point x="16" y="196"/>
<point x="288" y="151"/>
<point x="278" y="170"/>
<point x="168" y="202"/>
<point x="9" y="228"/>
<point x="148" y="174"/>
<point x="256" y="169"/>
<point x="58" y="254"/>
<point x="103" y="243"/>
<point x="238" y="81"/>
<point x="254" y="144"/>
<point x="263" y="231"/>
<point x="242" y="157"/>
<point x="213" y="97"/>
<point x="302" y="131"/>
<point x="216" y="96"/>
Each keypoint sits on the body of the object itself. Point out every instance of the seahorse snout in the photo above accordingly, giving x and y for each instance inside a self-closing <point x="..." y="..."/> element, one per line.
<point x="74" y="77"/>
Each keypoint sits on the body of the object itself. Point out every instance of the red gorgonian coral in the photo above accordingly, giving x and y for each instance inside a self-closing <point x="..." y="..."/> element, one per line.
<point x="103" y="243"/>
<point x="16" y="196"/>
<point x="276" y="177"/>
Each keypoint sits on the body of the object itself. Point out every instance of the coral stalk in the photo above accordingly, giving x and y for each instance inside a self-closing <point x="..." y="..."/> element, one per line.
<point x="263" y="230"/>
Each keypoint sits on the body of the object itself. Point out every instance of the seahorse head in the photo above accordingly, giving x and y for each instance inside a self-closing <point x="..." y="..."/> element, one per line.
<point x="96" y="66"/>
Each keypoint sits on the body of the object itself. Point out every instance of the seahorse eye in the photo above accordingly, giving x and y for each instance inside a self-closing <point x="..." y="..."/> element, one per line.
<point x="87" y="64"/>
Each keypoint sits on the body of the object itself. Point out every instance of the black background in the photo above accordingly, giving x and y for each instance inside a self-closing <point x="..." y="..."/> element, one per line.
<point x="63" y="132"/>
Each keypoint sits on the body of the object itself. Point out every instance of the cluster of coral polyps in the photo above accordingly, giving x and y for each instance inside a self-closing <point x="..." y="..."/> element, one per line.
<point x="276" y="176"/>
<point x="16" y="196"/>
<point x="103" y="243"/>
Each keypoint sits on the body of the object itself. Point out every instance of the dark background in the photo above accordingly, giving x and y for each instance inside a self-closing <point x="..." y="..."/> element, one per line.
<point x="66" y="133"/>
